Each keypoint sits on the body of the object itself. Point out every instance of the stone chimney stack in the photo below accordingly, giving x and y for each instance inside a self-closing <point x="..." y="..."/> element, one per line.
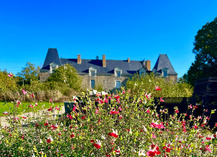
<point x="128" y="60"/>
<point x="79" y="59"/>
<point x="103" y="61"/>
<point x="148" y="65"/>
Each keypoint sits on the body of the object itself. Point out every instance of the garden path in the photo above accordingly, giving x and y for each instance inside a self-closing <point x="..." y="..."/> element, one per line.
<point x="3" y="120"/>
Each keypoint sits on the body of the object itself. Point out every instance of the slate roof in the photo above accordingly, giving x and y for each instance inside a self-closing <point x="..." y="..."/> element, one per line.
<point x="52" y="57"/>
<point x="162" y="63"/>
<point x="127" y="68"/>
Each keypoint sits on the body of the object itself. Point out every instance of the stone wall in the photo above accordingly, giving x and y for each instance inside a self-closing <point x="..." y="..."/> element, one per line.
<point x="108" y="82"/>
<point x="44" y="76"/>
<point x="172" y="78"/>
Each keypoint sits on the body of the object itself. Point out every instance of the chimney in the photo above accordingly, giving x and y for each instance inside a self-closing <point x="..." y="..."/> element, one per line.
<point x="103" y="61"/>
<point x="128" y="60"/>
<point x="79" y="59"/>
<point x="148" y="65"/>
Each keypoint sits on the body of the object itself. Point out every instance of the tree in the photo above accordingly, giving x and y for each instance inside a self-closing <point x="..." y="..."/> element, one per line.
<point x="29" y="73"/>
<point x="65" y="76"/>
<point x="205" y="49"/>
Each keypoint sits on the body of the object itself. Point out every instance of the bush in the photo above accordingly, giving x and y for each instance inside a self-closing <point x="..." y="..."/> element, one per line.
<point x="147" y="83"/>
<point x="128" y="126"/>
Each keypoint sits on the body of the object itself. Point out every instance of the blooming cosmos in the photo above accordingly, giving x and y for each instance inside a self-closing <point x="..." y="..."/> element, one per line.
<point x="97" y="144"/>
<point x="114" y="133"/>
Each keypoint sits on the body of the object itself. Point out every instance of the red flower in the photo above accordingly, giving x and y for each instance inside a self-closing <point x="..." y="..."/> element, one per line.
<point x="114" y="112"/>
<point x="97" y="144"/>
<point x="83" y="117"/>
<point x="49" y="140"/>
<point x="157" y="88"/>
<point x="114" y="133"/>
<point x="57" y="108"/>
<point x="177" y="111"/>
<point x="32" y="95"/>
<point x="72" y="135"/>
<point x="148" y="111"/>
<point x="91" y="141"/>
<point x="59" y="133"/>
<point x="50" y="109"/>
<point x="46" y="124"/>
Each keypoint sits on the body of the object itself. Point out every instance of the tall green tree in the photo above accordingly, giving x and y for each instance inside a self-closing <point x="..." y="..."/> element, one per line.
<point x="65" y="76"/>
<point x="29" y="73"/>
<point x="205" y="49"/>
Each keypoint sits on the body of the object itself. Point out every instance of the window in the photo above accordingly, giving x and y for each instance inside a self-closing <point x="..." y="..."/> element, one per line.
<point x="165" y="73"/>
<point x="92" y="72"/>
<point x="92" y="84"/>
<point x="142" y="71"/>
<point x="117" y="72"/>
<point x="118" y="84"/>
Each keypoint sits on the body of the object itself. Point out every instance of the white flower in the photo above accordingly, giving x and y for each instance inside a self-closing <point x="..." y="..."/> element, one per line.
<point x="103" y="137"/>
<point x="141" y="152"/>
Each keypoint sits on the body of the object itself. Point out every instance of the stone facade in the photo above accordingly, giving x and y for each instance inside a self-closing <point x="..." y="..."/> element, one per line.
<point x="107" y="82"/>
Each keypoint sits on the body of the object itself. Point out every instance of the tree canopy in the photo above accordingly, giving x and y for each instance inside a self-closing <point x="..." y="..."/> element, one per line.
<point x="67" y="76"/>
<point x="205" y="49"/>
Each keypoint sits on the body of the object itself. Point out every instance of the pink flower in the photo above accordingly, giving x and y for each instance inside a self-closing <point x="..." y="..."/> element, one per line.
<point x="161" y="100"/>
<point x="32" y="95"/>
<point x="153" y="135"/>
<point x="24" y="117"/>
<point x="97" y="110"/>
<point x="31" y="106"/>
<point x="24" y="92"/>
<point x="114" y="133"/>
<point x="195" y="126"/>
<point x="105" y="100"/>
<point x="157" y="88"/>
<point x="148" y="96"/>
<point x="117" y="96"/>
<point x="69" y="116"/>
<point x="156" y="125"/>
<point x="207" y="148"/>
<point x="74" y="108"/>
<point x="5" y="113"/>
<point x="10" y="75"/>
<point x="97" y="144"/>
<point x="57" y="108"/>
<point x="36" y="104"/>
<point x="51" y="100"/>
<point x="120" y="117"/>
<point x="148" y="111"/>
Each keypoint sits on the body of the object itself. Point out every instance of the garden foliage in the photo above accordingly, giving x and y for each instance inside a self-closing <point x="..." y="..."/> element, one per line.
<point x="148" y="83"/>
<point x="124" y="124"/>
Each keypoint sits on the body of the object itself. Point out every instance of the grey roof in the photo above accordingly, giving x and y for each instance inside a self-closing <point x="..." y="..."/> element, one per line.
<point x="52" y="57"/>
<point x="162" y="63"/>
<point x="127" y="68"/>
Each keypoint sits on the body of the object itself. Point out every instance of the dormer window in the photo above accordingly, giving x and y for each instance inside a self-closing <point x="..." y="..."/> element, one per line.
<point x="53" y="66"/>
<point x="92" y="72"/>
<point x="142" y="71"/>
<point x="165" y="72"/>
<point x="117" y="72"/>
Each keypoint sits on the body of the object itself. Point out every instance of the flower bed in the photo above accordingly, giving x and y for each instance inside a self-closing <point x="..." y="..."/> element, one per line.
<point x="128" y="126"/>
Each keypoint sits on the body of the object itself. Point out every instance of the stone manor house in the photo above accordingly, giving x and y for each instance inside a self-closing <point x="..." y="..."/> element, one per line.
<point x="110" y="74"/>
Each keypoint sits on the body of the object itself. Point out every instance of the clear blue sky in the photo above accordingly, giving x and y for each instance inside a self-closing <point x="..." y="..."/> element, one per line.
<point x="138" y="29"/>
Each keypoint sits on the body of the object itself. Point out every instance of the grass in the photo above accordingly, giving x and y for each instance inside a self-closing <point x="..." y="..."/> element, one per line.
<point x="24" y="107"/>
